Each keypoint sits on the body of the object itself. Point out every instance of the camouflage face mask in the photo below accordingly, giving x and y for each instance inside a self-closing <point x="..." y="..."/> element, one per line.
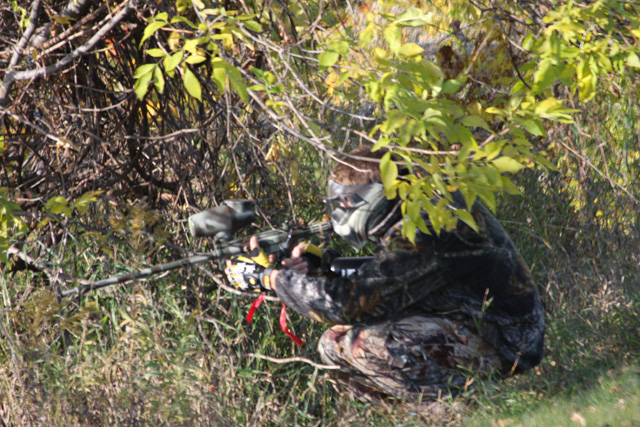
<point x="354" y="209"/>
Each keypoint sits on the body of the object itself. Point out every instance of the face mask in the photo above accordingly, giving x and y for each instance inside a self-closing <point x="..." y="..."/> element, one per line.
<point x="355" y="209"/>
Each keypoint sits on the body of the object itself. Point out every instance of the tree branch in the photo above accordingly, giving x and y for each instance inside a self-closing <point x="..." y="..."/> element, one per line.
<point x="26" y="36"/>
<point x="13" y="76"/>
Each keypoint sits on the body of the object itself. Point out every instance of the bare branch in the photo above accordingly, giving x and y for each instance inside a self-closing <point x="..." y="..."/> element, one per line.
<point x="26" y="36"/>
<point x="293" y="359"/>
<point x="13" y="76"/>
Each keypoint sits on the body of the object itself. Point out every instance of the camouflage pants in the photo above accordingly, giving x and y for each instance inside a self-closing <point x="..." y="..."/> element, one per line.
<point x="414" y="358"/>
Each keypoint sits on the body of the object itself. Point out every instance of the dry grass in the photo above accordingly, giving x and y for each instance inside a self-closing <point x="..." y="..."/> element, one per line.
<point x="175" y="350"/>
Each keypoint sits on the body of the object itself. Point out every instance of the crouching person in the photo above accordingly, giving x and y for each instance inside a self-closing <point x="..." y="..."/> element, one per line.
<point x="417" y="321"/>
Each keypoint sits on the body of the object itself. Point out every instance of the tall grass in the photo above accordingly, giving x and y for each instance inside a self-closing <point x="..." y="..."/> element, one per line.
<point x="176" y="350"/>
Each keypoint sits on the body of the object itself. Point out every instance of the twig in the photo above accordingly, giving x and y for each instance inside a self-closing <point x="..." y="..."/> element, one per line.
<point x="13" y="76"/>
<point x="66" y="33"/>
<point x="26" y="36"/>
<point x="42" y="131"/>
<point x="57" y="276"/>
<point x="293" y="359"/>
<point x="592" y="166"/>
<point x="414" y="150"/>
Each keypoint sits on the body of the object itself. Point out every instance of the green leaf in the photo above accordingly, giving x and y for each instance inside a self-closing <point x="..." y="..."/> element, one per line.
<point x="163" y="16"/>
<point x="467" y="218"/>
<point x="342" y="47"/>
<point x="475" y="121"/>
<point x="454" y="85"/>
<point x="158" y="80"/>
<point x="546" y="74"/>
<point x="488" y="198"/>
<point x="61" y="19"/>
<point x="238" y="84"/>
<point x="58" y="205"/>
<point x="82" y="203"/>
<point x="382" y="142"/>
<point x="269" y="77"/>
<point x="245" y="16"/>
<point x="414" y="18"/>
<point x="258" y="72"/>
<point x="151" y="29"/>
<point x="328" y="58"/>
<point x="156" y="53"/>
<point x="395" y="119"/>
<point x="184" y="19"/>
<point x="366" y="36"/>
<point x="532" y="126"/>
<point x="409" y="230"/>
<point x="191" y="45"/>
<point x="410" y="49"/>
<point x="220" y="76"/>
<point x="142" y="85"/>
<point x="507" y="164"/>
<point x="143" y="69"/>
<point x="633" y="60"/>
<point x="195" y="59"/>
<point x="388" y="170"/>
<point x="393" y="37"/>
<point x="171" y="62"/>
<point x="253" y="26"/>
<point x="192" y="84"/>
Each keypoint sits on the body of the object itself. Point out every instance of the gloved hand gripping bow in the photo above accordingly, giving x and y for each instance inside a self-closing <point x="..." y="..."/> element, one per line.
<point x="250" y="273"/>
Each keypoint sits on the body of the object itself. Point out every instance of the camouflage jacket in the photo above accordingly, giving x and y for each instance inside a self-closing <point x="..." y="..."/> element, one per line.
<point x="477" y="277"/>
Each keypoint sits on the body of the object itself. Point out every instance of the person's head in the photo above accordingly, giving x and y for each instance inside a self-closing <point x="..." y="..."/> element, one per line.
<point x="356" y="203"/>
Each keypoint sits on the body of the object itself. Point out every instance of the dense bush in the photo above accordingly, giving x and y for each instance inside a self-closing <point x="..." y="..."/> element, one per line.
<point x="151" y="111"/>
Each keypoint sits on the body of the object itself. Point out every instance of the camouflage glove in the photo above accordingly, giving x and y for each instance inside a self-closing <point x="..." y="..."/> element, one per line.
<point x="251" y="272"/>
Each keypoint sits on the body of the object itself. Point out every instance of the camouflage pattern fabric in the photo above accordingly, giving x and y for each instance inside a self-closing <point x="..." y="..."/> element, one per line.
<point x="414" y="358"/>
<point x="476" y="279"/>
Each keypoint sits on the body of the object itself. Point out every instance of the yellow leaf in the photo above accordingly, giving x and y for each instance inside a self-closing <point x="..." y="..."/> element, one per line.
<point x="273" y="155"/>
<point x="633" y="60"/>
<point x="410" y="49"/>
<point x="295" y="173"/>
<point x="507" y="164"/>
<point x="579" y="419"/>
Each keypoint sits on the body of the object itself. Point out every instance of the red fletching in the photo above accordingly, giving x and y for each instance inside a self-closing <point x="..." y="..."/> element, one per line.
<point x="283" y="325"/>
<point x="254" y="306"/>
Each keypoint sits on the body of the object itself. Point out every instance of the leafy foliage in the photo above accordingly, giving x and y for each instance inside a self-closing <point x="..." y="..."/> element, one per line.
<point x="431" y="114"/>
<point x="532" y="109"/>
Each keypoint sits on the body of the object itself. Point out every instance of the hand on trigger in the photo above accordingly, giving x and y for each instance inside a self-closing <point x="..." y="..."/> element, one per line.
<point x="296" y="262"/>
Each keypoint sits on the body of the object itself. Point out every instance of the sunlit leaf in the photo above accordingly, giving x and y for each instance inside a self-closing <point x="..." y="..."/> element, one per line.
<point x="171" y="62"/>
<point x="410" y="49"/>
<point x="151" y="29"/>
<point x="328" y="58"/>
<point x="143" y="69"/>
<point x="156" y="53"/>
<point x="633" y="60"/>
<point x="467" y="218"/>
<point x="141" y="85"/>
<point x="58" y="205"/>
<point x="253" y="26"/>
<point x="507" y="164"/>
<point x="192" y="84"/>
<point x="158" y="80"/>
<point x="388" y="170"/>
<point x="393" y="37"/>
<point x="195" y="59"/>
